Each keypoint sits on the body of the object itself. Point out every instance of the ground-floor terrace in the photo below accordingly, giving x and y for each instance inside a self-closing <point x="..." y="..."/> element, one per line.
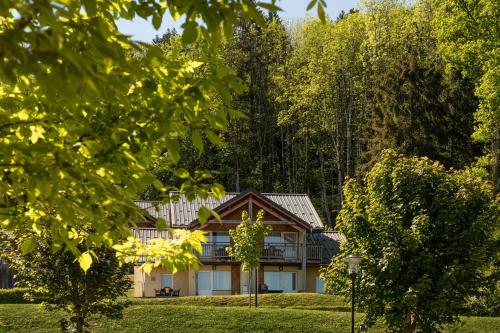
<point x="223" y="279"/>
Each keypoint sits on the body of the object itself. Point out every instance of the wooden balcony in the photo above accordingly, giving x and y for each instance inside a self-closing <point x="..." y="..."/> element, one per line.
<point x="279" y="252"/>
<point x="271" y="252"/>
<point x="214" y="251"/>
<point x="314" y="253"/>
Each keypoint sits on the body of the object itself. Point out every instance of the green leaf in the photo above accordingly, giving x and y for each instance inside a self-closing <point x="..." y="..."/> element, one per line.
<point x="147" y="268"/>
<point x="204" y="214"/>
<point x="197" y="140"/>
<point x="269" y="6"/>
<point x="158" y="184"/>
<point x="90" y="7"/>
<point x="157" y="18"/>
<point x="181" y="173"/>
<point x="28" y="245"/>
<point x="161" y="224"/>
<point x="190" y="32"/>
<point x="173" y="151"/>
<point x="214" y="138"/>
<point x="311" y="4"/>
<point x="321" y="13"/>
<point x="85" y="260"/>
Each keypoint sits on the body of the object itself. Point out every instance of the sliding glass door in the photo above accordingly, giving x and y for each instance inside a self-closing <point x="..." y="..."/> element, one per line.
<point x="207" y="282"/>
<point x="204" y="283"/>
<point x="284" y="281"/>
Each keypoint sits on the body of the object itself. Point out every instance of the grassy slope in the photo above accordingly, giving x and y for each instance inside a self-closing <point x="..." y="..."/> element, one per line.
<point x="299" y="301"/>
<point x="182" y="318"/>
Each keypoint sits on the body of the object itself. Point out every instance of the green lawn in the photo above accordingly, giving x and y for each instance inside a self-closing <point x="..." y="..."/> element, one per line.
<point x="310" y="301"/>
<point x="147" y="318"/>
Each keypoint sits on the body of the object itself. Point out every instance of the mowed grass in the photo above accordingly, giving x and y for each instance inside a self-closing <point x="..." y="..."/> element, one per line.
<point x="187" y="318"/>
<point x="310" y="301"/>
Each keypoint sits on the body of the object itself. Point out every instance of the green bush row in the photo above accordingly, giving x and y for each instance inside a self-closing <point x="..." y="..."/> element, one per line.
<point x="17" y="296"/>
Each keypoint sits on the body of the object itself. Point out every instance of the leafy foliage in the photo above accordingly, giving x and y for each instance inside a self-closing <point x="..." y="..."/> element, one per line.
<point x="17" y="296"/>
<point x="85" y="111"/>
<point x="427" y="235"/>
<point x="55" y="278"/>
<point x="470" y="42"/>
<point x="248" y="238"/>
<point x="172" y="254"/>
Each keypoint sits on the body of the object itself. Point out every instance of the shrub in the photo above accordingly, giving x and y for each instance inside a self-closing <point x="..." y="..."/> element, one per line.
<point x="17" y="296"/>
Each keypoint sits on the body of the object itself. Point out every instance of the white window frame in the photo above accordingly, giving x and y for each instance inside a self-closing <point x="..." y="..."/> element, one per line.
<point x="214" y="273"/>
<point x="212" y="281"/>
<point x="282" y="280"/>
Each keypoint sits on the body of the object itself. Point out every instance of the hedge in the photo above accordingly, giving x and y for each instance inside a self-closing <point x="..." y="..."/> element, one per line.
<point x="16" y="296"/>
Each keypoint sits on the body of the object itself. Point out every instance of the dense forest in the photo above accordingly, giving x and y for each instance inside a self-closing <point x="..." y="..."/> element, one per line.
<point x="320" y="101"/>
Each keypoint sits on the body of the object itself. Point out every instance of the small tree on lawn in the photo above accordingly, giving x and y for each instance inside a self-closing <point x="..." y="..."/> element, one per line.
<point x="247" y="244"/>
<point x="59" y="281"/>
<point x="427" y="235"/>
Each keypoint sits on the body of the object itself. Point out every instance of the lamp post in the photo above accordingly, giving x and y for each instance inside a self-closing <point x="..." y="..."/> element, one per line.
<point x="352" y="268"/>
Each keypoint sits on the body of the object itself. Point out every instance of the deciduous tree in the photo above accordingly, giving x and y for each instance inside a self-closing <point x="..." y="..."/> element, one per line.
<point x="54" y="277"/>
<point x="85" y="111"/>
<point x="247" y="239"/>
<point x="427" y="235"/>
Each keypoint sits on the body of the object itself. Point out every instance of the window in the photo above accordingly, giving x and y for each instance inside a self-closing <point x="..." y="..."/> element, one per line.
<point x="222" y="280"/>
<point x="204" y="283"/>
<point x="286" y="281"/>
<point x="167" y="281"/>
<point x="213" y="280"/>
<point x="221" y="237"/>
<point x="273" y="238"/>
<point x="272" y="280"/>
<point x="320" y="285"/>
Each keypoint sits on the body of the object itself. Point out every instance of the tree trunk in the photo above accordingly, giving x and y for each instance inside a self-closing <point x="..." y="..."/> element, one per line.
<point x="324" y="198"/>
<point x="256" y="286"/>
<point x="250" y="288"/>
<point x="79" y="322"/>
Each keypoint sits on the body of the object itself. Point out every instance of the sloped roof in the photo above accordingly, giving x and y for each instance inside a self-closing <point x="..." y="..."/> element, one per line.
<point x="182" y="212"/>
<point x="257" y="197"/>
<point x="330" y="240"/>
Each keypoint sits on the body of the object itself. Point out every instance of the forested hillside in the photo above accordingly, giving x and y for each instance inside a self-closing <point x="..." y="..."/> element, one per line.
<point x="322" y="100"/>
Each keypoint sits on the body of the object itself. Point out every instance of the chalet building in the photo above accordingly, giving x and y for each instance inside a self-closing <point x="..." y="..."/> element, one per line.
<point x="291" y="254"/>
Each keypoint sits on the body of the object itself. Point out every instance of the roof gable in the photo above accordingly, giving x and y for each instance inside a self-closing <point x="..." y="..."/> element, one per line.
<point x="255" y="201"/>
<point x="182" y="212"/>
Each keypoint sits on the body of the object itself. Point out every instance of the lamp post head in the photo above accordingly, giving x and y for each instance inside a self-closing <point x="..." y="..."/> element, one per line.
<point x="353" y="262"/>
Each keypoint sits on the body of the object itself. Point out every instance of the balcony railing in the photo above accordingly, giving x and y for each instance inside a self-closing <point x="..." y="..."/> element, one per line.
<point x="314" y="253"/>
<point x="214" y="250"/>
<point x="270" y="252"/>
<point x="281" y="251"/>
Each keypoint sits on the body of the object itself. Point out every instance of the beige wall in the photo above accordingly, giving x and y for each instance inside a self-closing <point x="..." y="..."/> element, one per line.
<point x="181" y="281"/>
<point x="151" y="282"/>
<point x="138" y="279"/>
<point x="243" y="282"/>
<point x="312" y="272"/>
<point x="186" y="280"/>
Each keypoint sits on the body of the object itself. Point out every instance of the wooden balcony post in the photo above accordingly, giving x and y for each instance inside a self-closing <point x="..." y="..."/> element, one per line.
<point x="304" y="262"/>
